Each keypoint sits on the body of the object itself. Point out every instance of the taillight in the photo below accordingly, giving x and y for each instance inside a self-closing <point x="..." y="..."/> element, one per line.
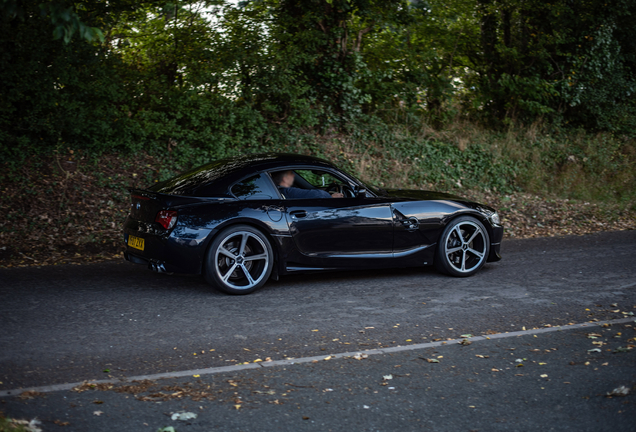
<point x="166" y="218"/>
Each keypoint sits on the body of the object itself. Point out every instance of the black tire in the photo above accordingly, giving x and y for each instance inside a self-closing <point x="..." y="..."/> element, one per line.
<point x="239" y="260"/>
<point x="463" y="247"/>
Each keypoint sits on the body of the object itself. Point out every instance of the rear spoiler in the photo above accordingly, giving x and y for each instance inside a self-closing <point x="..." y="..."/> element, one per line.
<point x="173" y="201"/>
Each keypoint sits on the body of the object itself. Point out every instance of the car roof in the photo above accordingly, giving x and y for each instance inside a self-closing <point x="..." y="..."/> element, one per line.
<point x="217" y="176"/>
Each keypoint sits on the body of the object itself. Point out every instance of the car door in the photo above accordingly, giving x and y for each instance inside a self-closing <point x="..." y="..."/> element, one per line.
<point x="338" y="232"/>
<point x="341" y="232"/>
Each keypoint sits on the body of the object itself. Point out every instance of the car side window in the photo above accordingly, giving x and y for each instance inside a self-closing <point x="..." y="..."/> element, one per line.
<point x="258" y="187"/>
<point x="318" y="179"/>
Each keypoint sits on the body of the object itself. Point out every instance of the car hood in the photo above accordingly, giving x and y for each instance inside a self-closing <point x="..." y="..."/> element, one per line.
<point x="423" y="195"/>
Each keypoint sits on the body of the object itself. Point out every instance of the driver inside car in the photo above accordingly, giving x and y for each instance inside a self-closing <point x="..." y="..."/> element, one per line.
<point x="285" y="181"/>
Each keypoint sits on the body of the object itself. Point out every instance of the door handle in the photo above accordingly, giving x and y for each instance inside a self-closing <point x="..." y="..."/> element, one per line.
<point x="298" y="214"/>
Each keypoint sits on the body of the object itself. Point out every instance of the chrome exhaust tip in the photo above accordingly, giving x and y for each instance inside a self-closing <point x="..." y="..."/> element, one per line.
<point x="157" y="267"/>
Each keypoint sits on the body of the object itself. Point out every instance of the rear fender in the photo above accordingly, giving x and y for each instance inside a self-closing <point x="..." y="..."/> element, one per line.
<point x="262" y="227"/>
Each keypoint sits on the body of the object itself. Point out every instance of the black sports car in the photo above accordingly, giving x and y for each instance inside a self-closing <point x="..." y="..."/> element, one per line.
<point x="230" y="221"/>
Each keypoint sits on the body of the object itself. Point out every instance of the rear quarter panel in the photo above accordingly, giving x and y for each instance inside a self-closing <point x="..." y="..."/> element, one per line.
<point x="198" y="225"/>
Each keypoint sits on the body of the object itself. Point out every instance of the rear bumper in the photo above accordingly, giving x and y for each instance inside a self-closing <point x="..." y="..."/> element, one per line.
<point x="167" y="252"/>
<point x="152" y="264"/>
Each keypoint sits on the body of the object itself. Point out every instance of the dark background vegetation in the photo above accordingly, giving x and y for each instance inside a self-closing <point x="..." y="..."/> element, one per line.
<point x="502" y="98"/>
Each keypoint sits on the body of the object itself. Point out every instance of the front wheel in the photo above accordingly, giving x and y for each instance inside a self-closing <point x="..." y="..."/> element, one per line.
<point x="463" y="247"/>
<point x="240" y="260"/>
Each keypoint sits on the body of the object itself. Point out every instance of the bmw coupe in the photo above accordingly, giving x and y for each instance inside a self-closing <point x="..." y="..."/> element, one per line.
<point x="245" y="220"/>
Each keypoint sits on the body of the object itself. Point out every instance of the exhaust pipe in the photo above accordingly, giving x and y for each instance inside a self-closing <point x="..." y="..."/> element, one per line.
<point x="157" y="267"/>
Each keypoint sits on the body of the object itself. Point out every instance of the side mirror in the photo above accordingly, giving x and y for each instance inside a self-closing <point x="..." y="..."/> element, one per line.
<point x="361" y="193"/>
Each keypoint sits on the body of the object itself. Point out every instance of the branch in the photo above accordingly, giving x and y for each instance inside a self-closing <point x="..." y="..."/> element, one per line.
<point x="361" y="33"/>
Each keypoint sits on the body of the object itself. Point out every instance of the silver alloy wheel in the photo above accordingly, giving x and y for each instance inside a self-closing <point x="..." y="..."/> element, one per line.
<point x="241" y="260"/>
<point x="465" y="247"/>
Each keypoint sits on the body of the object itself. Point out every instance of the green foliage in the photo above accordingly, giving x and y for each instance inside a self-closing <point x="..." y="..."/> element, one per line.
<point x="189" y="81"/>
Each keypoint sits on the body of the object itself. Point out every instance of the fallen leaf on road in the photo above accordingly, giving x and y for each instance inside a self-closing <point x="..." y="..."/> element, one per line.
<point x="91" y="386"/>
<point x="431" y="360"/>
<point x="98" y="413"/>
<point x="28" y="426"/>
<point x="30" y="394"/>
<point x="465" y="342"/>
<point x="619" y="391"/>
<point x="482" y="356"/>
<point x="594" y="350"/>
<point x="183" y="416"/>
<point x="543" y="375"/>
<point x="387" y="377"/>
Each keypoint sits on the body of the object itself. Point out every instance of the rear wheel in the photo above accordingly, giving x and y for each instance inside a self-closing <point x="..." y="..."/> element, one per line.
<point x="240" y="260"/>
<point x="463" y="247"/>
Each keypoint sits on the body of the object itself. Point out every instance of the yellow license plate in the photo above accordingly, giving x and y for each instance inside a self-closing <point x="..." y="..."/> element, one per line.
<point x="136" y="242"/>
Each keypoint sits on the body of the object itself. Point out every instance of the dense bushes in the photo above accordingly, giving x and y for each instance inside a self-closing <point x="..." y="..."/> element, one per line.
<point x="433" y="92"/>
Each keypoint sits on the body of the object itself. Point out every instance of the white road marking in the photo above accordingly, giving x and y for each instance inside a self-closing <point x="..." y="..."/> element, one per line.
<point x="287" y="362"/>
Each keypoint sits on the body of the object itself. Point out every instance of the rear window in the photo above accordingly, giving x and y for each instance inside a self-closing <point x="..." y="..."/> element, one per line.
<point x="194" y="182"/>
<point x="202" y="181"/>
<point x="255" y="188"/>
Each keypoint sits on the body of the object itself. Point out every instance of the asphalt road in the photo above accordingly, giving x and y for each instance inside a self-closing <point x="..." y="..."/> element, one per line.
<point x="114" y="320"/>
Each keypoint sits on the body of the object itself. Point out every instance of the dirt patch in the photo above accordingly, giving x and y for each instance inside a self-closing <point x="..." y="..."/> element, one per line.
<point x="70" y="210"/>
